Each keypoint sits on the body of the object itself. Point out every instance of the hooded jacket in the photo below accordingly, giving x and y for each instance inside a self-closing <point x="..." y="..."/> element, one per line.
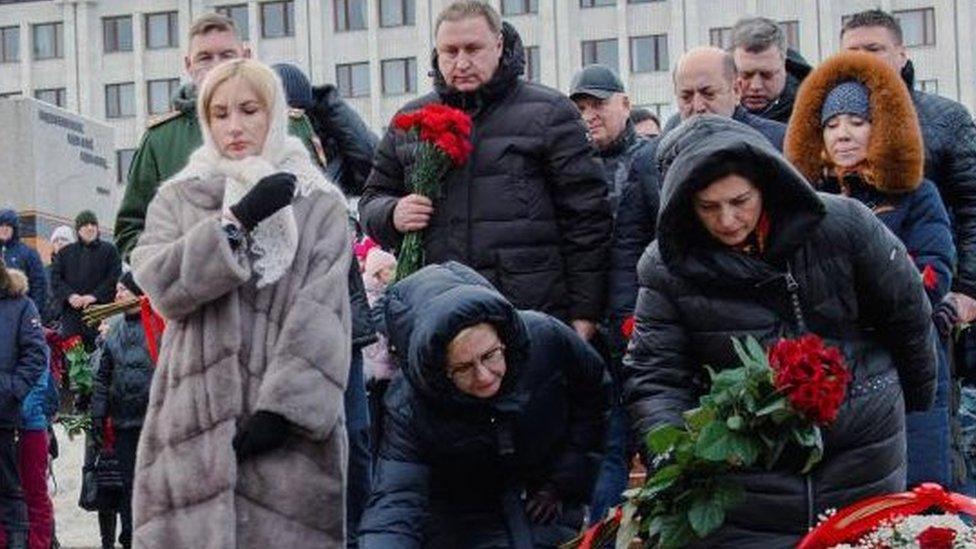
<point x="447" y="458"/>
<point x="232" y="349"/>
<point x="121" y="389"/>
<point x="20" y="256"/>
<point x="528" y="210"/>
<point x="830" y="267"/>
<point x="891" y="184"/>
<point x="23" y="352"/>
<point x="949" y="136"/>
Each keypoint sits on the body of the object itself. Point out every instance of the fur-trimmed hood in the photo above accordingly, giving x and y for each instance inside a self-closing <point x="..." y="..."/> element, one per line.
<point x="17" y="285"/>
<point x="896" y="157"/>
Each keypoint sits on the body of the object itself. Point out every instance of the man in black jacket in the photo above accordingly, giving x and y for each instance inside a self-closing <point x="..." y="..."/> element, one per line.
<point x="84" y="274"/>
<point x="628" y="163"/>
<point x="769" y="73"/>
<point x="528" y="210"/>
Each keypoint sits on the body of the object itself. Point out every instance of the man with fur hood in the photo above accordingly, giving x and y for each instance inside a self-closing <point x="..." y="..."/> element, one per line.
<point x="244" y="440"/>
<point x="529" y="209"/>
<point x="23" y="359"/>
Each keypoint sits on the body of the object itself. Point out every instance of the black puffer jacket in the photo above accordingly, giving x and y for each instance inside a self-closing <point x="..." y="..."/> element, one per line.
<point x="950" y="162"/>
<point x="349" y="144"/>
<point x="528" y="210"/>
<point x="856" y="287"/>
<point x="452" y="467"/>
<point x="125" y="371"/>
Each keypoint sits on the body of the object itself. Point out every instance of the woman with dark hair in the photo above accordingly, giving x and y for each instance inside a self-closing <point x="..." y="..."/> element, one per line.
<point x="23" y="359"/>
<point x="854" y="132"/>
<point x="746" y="247"/>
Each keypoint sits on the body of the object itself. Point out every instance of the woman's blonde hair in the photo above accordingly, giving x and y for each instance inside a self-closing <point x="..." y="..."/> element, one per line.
<point x="259" y="76"/>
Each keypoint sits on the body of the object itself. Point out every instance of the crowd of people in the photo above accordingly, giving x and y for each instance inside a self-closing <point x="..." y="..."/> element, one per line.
<point x="582" y="266"/>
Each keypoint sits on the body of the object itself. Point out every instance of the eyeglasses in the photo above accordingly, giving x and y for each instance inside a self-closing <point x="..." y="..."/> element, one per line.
<point x="465" y="371"/>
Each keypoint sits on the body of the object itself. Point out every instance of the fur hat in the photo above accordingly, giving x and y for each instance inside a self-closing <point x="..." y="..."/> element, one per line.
<point x="895" y="158"/>
<point x="85" y="217"/>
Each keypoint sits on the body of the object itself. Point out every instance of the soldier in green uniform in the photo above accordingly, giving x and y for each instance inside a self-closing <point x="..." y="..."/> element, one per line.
<point x="170" y="138"/>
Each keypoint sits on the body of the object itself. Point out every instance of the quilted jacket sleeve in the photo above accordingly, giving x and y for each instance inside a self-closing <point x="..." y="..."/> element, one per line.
<point x="384" y="187"/>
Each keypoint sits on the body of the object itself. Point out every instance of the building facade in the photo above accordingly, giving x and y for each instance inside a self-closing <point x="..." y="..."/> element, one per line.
<point x="121" y="60"/>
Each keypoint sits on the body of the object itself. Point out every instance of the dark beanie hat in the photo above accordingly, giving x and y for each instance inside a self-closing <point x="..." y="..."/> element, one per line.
<point x="130" y="283"/>
<point x="851" y="97"/>
<point x="86" y="217"/>
<point x="298" y="90"/>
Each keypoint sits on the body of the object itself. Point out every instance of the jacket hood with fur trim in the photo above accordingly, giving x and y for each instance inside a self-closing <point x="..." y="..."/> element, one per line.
<point x="18" y="285"/>
<point x="895" y="159"/>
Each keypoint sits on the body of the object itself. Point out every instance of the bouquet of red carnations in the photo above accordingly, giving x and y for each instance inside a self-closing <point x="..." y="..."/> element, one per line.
<point x="443" y="135"/>
<point x="751" y="413"/>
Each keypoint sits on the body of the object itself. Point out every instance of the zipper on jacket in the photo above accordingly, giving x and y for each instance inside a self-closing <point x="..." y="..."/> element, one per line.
<point x="793" y="287"/>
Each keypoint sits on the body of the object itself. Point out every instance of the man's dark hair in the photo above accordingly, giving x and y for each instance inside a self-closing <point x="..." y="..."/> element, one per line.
<point x="757" y="34"/>
<point x="642" y="115"/>
<point x="874" y="18"/>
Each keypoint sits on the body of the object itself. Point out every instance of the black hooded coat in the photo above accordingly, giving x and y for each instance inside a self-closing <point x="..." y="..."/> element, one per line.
<point x="453" y="468"/>
<point x="830" y="267"/>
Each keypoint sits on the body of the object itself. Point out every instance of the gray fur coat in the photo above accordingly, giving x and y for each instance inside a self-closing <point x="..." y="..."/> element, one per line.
<point x="231" y="348"/>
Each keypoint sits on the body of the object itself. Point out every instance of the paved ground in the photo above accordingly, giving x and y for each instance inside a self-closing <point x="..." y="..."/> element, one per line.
<point x="76" y="528"/>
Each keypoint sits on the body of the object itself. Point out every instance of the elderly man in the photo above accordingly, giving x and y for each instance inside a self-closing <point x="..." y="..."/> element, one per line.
<point x="628" y="162"/>
<point x="705" y="82"/>
<point x="768" y="72"/>
<point x="529" y="209"/>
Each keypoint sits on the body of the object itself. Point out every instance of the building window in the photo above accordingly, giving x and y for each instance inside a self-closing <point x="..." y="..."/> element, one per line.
<point x="649" y="53"/>
<point x="533" y="64"/>
<point x="519" y="7"/>
<point x="397" y="13"/>
<point x="9" y="44"/>
<point x="917" y="26"/>
<point x="277" y="19"/>
<point x="597" y="3"/>
<point x="120" y="100"/>
<point x="791" y="29"/>
<point x="237" y="14"/>
<point x="720" y="37"/>
<point x="160" y="93"/>
<point x="117" y="33"/>
<point x="54" y="96"/>
<point x="353" y="79"/>
<point x="9" y="95"/>
<point x="399" y="76"/>
<point x="48" y="41"/>
<point x="123" y="159"/>
<point x="643" y="1"/>
<point x="350" y="15"/>
<point x="603" y="52"/>
<point x="161" y="30"/>
<point x="663" y="111"/>
<point x="927" y="86"/>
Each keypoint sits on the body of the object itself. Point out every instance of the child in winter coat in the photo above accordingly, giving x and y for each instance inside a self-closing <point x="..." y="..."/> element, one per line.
<point x="121" y="392"/>
<point x="23" y="360"/>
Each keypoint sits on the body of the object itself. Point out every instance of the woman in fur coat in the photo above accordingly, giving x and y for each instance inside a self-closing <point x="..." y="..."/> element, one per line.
<point x="854" y="132"/>
<point x="246" y="254"/>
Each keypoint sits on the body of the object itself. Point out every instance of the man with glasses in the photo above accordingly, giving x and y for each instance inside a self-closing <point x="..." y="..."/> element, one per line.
<point x="493" y="433"/>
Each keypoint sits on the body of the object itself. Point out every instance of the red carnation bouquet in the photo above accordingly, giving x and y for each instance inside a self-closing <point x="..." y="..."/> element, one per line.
<point x="443" y="135"/>
<point x="776" y="398"/>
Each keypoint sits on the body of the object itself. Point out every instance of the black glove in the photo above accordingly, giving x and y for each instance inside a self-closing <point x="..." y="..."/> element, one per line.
<point x="262" y="432"/>
<point x="544" y="506"/>
<point x="271" y="194"/>
<point x="945" y="316"/>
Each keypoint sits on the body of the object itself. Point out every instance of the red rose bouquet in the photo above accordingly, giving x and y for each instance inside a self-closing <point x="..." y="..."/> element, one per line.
<point x="750" y="414"/>
<point x="443" y="135"/>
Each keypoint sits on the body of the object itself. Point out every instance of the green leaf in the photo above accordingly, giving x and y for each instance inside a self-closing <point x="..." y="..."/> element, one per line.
<point x="661" y="481"/>
<point x="727" y="493"/>
<point x="726" y="380"/>
<point x="744" y="449"/>
<point x="675" y="532"/>
<point x="757" y="352"/>
<point x="705" y="516"/>
<point x="774" y="406"/>
<point x="664" y="437"/>
<point x="744" y="357"/>
<point x="735" y="423"/>
<point x="697" y="418"/>
<point x="714" y="443"/>
<point x="816" y="453"/>
<point x="806" y="436"/>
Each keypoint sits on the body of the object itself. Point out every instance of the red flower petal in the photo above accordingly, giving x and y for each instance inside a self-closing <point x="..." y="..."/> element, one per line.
<point x="930" y="278"/>
<point x="935" y="537"/>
